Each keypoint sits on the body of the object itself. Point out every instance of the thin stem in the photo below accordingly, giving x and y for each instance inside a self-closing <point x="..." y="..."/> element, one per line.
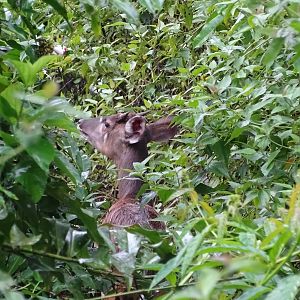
<point x="18" y="251"/>
<point x="24" y="287"/>
<point x="284" y="260"/>
<point x="7" y="247"/>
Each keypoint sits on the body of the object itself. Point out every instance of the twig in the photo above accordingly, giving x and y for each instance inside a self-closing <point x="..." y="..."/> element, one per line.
<point x="19" y="250"/>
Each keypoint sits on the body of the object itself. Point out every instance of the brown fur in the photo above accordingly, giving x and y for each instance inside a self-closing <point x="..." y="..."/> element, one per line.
<point x="123" y="138"/>
<point x="126" y="212"/>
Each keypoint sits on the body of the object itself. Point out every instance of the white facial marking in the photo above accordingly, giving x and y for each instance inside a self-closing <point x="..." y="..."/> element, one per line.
<point x="105" y="137"/>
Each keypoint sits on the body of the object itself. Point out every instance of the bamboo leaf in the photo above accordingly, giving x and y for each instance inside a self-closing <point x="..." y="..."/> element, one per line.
<point x="253" y="293"/>
<point x="42" y="62"/>
<point x="167" y="268"/>
<point x="272" y="52"/>
<point x="127" y="8"/>
<point x="193" y="247"/>
<point x="287" y="288"/>
<point x="59" y="8"/>
<point x="206" y="30"/>
<point x="152" y="5"/>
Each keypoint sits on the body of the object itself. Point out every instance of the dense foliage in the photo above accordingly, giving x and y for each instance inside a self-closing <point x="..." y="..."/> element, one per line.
<point x="227" y="186"/>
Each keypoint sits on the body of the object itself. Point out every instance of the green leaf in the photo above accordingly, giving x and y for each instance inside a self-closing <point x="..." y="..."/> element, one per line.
<point x="219" y="168"/>
<point x="67" y="167"/>
<point x="278" y="247"/>
<point x="60" y="230"/>
<point x="128" y="8"/>
<point x="162" y="248"/>
<point x="205" y="286"/>
<point x="203" y="189"/>
<point x="224" y="84"/>
<point x="167" y="268"/>
<point x="152" y="5"/>
<point x="249" y="153"/>
<point x="246" y="151"/>
<point x="172" y="278"/>
<point x="248" y="239"/>
<point x="253" y="293"/>
<point x="193" y="247"/>
<point x="207" y="29"/>
<point x="28" y="133"/>
<point x="225" y="248"/>
<point x="5" y="281"/>
<point x="9" y="139"/>
<point x="190" y="293"/>
<point x="178" y="194"/>
<point x="295" y="25"/>
<point x="222" y="150"/>
<point x="25" y="71"/>
<point x="95" y="23"/>
<point x="3" y="208"/>
<point x="267" y="166"/>
<point x="19" y="239"/>
<point x="208" y="280"/>
<point x="34" y="181"/>
<point x="60" y="105"/>
<point x="10" y="104"/>
<point x="272" y="52"/>
<point x="59" y="8"/>
<point x="60" y="120"/>
<point x="287" y="288"/>
<point x="89" y="221"/>
<point x="8" y="193"/>
<point x="75" y="241"/>
<point x="12" y="295"/>
<point x="4" y="83"/>
<point x="42" y="152"/>
<point x="164" y="193"/>
<point x="42" y="62"/>
<point x="263" y="197"/>
<point x="257" y="106"/>
<point x="29" y="72"/>
<point x="237" y="131"/>
<point x="124" y="262"/>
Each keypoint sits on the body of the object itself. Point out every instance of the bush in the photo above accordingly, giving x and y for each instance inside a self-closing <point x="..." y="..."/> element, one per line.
<point x="228" y="186"/>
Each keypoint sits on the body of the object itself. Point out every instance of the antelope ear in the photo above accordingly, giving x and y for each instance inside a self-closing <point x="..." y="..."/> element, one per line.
<point x="162" y="130"/>
<point x="135" y="129"/>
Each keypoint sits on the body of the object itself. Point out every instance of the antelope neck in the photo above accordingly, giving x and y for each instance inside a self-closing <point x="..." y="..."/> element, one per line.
<point x="128" y="186"/>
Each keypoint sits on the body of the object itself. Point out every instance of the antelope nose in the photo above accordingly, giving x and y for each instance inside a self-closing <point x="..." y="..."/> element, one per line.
<point x="79" y="123"/>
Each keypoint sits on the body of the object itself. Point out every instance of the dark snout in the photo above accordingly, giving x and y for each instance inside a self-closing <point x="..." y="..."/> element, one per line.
<point x="84" y="126"/>
<point x="80" y="124"/>
<point x="86" y="129"/>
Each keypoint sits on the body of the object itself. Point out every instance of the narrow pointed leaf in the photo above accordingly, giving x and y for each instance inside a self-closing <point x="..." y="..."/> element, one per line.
<point x="58" y="7"/>
<point x="286" y="289"/>
<point x="206" y="30"/>
<point x="127" y="8"/>
<point x="272" y="52"/>
<point x="152" y="5"/>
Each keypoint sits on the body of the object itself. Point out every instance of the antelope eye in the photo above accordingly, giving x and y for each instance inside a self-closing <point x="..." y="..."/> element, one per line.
<point x="106" y="124"/>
